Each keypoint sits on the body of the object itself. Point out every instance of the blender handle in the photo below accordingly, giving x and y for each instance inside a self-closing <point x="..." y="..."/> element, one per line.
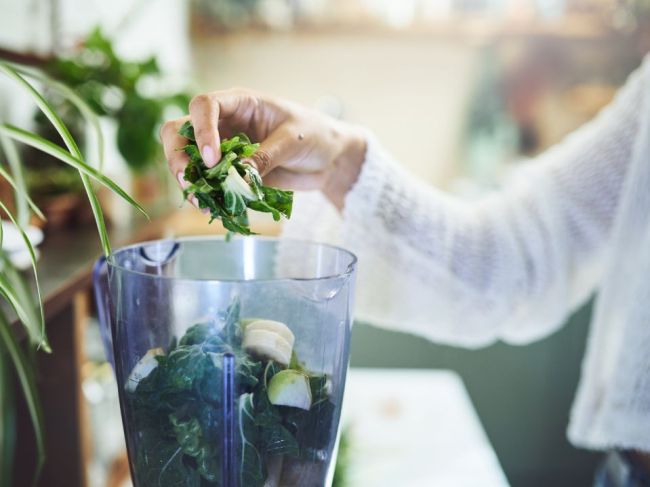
<point x="102" y="301"/>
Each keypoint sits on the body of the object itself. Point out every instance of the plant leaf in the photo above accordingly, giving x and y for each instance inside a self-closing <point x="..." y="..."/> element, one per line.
<point x="41" y="338"/>
<point x="69" y="94"/>
<point x="44" y="106"/>
<point x="28" y="385"/>
<point x="14" y="185"/>
<point x="73" y="157"/>
<point x="20" y="189"/>
<point x="55" y="151"/>
<point x="7" y="419"/>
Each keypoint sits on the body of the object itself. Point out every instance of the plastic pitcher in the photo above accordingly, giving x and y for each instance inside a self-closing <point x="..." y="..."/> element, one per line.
<point x="230" y="358"/>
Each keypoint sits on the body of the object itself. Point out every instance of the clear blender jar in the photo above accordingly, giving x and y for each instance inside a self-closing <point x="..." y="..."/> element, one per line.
<point x="230" y="358"/>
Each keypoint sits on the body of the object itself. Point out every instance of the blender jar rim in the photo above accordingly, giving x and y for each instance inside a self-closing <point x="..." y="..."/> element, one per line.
<point x="349" y="270"/>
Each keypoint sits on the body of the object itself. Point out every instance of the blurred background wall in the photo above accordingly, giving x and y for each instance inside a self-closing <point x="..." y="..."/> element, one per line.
<point x="460" y="91"/>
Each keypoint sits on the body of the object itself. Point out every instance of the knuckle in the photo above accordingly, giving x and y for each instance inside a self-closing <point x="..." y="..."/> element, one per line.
<point x="262" y="160"/>
<point x="167" y="128"/>
<point x="199" y="100"/>
<point x="246" y="97"/>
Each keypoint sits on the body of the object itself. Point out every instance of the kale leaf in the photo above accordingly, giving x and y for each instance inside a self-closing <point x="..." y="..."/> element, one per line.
<point x="231" y="187"/>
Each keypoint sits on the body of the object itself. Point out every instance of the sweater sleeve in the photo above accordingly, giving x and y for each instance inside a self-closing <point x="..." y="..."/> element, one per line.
<point x="510" y="266"/>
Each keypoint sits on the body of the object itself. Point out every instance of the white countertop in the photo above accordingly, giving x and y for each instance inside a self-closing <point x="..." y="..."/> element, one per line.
<point x="415" y="428"/>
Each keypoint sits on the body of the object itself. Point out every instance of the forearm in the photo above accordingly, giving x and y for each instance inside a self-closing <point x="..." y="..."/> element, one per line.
<point x="346" y="165"/>
<point x="512" y="265"/>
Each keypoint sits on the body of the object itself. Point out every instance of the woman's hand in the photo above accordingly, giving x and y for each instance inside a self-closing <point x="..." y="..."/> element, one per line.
<point x="299" y="148"/>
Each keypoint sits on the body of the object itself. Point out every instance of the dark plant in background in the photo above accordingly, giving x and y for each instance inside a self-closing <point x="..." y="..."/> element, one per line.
<point x="113" y="87"/>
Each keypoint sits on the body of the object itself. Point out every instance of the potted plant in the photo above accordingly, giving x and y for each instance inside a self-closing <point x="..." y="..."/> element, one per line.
<point x="112" y="88"/>
<point x="13" y="287"/>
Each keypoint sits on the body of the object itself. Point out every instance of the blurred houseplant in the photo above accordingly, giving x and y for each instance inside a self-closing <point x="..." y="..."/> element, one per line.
<point x="18" y="295"/>
<point x="112" y="88"/>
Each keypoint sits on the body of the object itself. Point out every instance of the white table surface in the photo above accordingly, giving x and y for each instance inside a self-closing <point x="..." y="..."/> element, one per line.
<point x="415" y="428"/>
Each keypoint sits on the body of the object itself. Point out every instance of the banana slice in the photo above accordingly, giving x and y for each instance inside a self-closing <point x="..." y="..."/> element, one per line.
<point x="267" y="344"/>
<point x="143" y="368"/>
<point x="272" y="326"/>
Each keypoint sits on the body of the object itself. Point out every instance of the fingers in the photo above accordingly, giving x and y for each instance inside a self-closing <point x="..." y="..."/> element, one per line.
<point x="208" y="110"/>
<point x="287" y="179"/>
<point x="204" y="113"/>
<point x="172" y="142"/>
<point x="278" y="148"/>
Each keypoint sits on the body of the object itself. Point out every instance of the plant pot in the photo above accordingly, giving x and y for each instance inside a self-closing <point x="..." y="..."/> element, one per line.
<point x="230" y="358"/>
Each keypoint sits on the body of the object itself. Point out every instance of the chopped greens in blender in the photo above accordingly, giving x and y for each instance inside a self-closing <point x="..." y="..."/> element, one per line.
<point x="284" y="412"/>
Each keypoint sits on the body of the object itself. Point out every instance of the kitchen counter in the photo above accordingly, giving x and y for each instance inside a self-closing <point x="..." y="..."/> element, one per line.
<point x="415" y="428"/>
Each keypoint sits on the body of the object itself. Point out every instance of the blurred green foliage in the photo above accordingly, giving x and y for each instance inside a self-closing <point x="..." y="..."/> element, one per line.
<point x="341" y="471"/>
<point x="113" y="87"/>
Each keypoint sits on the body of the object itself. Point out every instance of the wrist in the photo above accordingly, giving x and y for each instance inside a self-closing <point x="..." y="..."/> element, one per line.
<point x="347" y="163"/>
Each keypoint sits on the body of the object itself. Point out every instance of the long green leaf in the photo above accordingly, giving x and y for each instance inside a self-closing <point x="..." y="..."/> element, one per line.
<point x="69" y="94"/>
<point x="16" y="187"/>
<point x="42" y="339"/>
<point x="7" y="420"/>
<point x="28" y="384"/>
<point x="22" y="205"/>
<point x="45" y="107"/>
<point x="70" y="143"/>
<point x="18" y="295"/>
<point x="73" y="157"/>
<point x="54" y="150"/>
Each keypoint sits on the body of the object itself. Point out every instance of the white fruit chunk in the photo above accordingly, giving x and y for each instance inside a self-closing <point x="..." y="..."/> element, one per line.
<point x="273" y="326"/>
<point x="143" y="368"/>
<point x="290" y="388"/>
<point x="267" y="345"/>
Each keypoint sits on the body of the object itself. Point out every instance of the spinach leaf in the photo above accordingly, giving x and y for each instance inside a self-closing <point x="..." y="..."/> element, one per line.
<point x="275" y="438"/>
<point x="231" y="187"/>
<point x="187" y="131"/>
<point x="197" y="436"/>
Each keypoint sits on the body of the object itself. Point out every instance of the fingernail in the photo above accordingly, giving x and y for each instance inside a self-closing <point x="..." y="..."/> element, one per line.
<point x="194" y="201"/>
<point x="181" y="179"/>
<point x="209" y="157"/>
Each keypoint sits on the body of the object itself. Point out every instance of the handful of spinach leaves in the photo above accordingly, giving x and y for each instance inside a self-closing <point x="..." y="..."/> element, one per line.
<point x="231" y="187"/>
<point x="176" y="421"/>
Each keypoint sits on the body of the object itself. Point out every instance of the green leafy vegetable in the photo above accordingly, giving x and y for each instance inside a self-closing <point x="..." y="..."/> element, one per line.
<point x="231" y="187"/>
<point x="177" y="411"/>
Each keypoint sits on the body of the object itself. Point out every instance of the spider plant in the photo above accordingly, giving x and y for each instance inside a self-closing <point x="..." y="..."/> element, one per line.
<point x="14" y="288"/>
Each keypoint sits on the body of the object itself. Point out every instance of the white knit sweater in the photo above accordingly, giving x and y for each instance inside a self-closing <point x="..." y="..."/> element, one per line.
<point x="513" y="266"/>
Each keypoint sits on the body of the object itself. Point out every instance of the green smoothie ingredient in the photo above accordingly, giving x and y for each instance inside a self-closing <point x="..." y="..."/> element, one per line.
<point x="231" y="187"/>
<point x="284" y="411"/>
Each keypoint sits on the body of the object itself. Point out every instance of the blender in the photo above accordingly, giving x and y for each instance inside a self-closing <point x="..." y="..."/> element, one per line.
<point x="230" y="358"/>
